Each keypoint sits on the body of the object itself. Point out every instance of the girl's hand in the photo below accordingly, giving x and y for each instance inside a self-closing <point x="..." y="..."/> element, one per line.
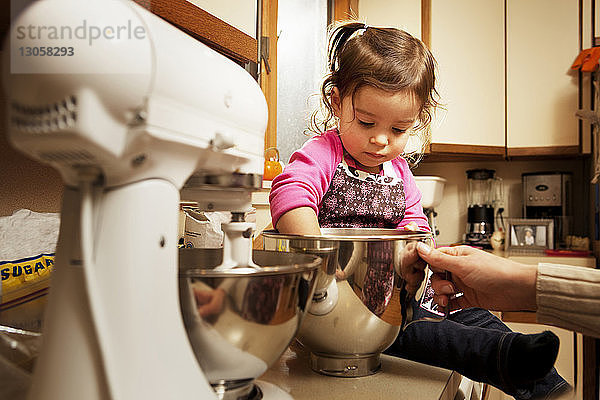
<point x="209" y="302"/>
<point x="412" y="268"/>
<point x="411" y="226"/>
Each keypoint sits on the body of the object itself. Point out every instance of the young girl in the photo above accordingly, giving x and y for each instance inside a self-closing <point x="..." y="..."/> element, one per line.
<point x="380" y="90"/>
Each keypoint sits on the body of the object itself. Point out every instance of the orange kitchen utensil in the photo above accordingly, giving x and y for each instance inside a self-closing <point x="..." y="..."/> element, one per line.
<point x="273" y="166"/>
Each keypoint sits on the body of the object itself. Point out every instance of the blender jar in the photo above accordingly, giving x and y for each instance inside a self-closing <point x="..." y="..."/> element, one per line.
<point x="484" y="192"/>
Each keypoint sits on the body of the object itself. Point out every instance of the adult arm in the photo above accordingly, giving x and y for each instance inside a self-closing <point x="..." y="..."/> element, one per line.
<point x="563" y="296"/>
<point x="569" y="297"/>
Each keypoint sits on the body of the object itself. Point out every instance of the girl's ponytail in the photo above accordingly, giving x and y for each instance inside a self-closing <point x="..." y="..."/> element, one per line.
<point x="339" y="36"/>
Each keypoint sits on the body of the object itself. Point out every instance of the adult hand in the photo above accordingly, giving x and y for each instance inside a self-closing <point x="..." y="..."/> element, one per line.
<point x="486" y="280"/>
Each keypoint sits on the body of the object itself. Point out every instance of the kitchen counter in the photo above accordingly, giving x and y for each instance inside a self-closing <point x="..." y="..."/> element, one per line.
<point x="584" y="261"/>
<point x="398" y="379"/>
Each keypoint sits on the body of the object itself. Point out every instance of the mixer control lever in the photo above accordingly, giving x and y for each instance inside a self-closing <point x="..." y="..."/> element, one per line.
<point x="221" y="141"/>
<point x="237" y="216"/>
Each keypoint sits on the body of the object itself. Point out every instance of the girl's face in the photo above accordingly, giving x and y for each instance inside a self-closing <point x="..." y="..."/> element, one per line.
<point x="376" y="128"/>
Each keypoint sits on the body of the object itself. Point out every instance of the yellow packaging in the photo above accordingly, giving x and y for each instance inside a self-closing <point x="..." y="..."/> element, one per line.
<point x="23" y="290"/>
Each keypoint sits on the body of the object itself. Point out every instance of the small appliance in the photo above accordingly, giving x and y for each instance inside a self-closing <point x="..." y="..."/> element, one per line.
<point x="547" y="195"/>
<point x="432" y="192"/>
<point x="484" y="195"/>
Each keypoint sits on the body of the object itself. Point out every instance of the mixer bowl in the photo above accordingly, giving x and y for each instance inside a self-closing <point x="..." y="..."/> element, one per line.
<point x="360" y="283"/>
<point x="239" y="321"/>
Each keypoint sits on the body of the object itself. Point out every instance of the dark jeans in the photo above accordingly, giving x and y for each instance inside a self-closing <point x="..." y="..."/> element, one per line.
<point x="474" y="343"/>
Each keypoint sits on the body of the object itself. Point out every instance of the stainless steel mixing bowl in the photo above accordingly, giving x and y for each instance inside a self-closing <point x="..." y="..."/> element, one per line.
<point x="361" y="303"/>
<point x="240" y="321"/>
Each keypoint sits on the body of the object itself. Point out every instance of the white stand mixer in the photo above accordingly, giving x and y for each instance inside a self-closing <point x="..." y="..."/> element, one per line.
<point x="432" y="192"/>
<point x="126" y="122"/>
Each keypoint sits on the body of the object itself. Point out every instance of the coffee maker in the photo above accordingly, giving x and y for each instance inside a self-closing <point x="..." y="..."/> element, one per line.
<point x="547" y="195"/>
<point x="484" y="193"/>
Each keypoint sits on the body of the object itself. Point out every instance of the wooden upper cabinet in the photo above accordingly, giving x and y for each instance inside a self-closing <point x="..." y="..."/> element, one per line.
<point x="467" y="40"/>
<point x="542" y="41"/>
<point x="504" y="77"/>
<point x="229" y="29"/>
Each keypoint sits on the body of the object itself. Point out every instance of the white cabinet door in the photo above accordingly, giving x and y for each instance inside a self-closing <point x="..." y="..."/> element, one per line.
<point x="467" y="39"/>
<point x="542" y="42"/>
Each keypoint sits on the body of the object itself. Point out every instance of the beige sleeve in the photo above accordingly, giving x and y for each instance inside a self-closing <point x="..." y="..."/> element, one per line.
<point x="569" y="297"/>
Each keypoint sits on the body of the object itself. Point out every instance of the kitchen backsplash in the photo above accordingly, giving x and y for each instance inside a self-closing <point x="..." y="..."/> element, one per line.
<point x="452" y="212"/>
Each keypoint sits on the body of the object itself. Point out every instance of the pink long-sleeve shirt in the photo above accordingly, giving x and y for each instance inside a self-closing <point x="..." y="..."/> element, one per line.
<point x="306" y="178"/>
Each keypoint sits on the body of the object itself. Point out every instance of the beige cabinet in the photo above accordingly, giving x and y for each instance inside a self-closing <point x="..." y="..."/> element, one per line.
<point x="403" y="14"/>
<point x="467" y="39"/>
<point x="504" y="76"/>
<point x="542" y="40"/>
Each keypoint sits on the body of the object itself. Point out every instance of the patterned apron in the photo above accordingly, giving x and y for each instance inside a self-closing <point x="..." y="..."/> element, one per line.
<point x="358" y="199"/>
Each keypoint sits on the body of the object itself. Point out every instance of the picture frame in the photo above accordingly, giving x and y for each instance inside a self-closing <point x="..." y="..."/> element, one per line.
<point x="529" y="235"/>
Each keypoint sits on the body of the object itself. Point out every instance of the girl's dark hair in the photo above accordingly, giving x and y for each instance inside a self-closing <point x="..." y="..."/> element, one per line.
<point x="385" y="58"/>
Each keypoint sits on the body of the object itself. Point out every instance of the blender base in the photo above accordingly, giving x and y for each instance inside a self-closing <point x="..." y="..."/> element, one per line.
<point x="478" y="240"/>
<point x="350" y="366"/>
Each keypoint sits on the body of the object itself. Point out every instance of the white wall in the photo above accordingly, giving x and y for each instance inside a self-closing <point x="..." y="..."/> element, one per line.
<point x="404" y="14"/>
<point x="452" y="212"/>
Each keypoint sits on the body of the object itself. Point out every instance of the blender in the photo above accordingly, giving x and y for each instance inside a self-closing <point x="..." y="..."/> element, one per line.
<point x="484" y="195"/>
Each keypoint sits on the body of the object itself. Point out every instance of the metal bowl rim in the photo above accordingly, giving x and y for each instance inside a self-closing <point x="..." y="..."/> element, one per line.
<point x="265" y="271"/>
<point x="380" y="234"/>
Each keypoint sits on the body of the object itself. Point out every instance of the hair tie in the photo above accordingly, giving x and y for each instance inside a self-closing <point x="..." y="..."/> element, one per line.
<point x="362" y="30"/>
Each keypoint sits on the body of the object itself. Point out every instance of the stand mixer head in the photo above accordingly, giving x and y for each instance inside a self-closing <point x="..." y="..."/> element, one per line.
<point x="432" y="192"/>
<point x="127" y="123"/>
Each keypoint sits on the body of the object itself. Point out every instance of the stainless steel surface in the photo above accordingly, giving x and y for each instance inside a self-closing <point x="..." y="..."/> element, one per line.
<point x="353" y="234"/>
<point x="548" y="195"/>
<point x="19" y="348"/>
<point x="546" y="189"/>
<point x="225" y="180"/>
<point x="239" y="321"/>
<point x="372" y="303"/>
<point x="355" y="365"/>
<point x="479" y="227"/>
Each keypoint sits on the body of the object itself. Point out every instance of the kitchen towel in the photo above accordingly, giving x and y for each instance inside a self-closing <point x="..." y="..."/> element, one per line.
<point x="587" y="60"/>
